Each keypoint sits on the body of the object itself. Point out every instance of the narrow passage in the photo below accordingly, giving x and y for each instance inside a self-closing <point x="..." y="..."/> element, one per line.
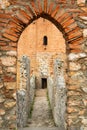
<point x="41" y="114"/>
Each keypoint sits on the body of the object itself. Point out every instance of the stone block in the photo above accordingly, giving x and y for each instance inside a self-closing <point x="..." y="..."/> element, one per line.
<point x="80" y="2"/>
<point x="84" y="121"/>
<point x="9" y="104"/>
<point x="11" y="53"/>
<point x="32" y="90"/>
<point x="84" y="89"/>
<point x="2" y="112"/>
<point x="74" y="56"/>
<point x="9" y="78"/>
<point x="1" y="70"/>
<point x="85" y="33"/>
<point x="74" y="66"/>
<point x="11" y="70"/>
<point x="10" y="85"/>
<point x="8" y="61"/>
<point x="1" y="122"/>
<point x="22" y="108"/>
<point x="59" y="94"/>
<point x="2" y="99"/>
<point x="1" y="85"/>
<point x="4" y="4"/>
<point x="23" y="94"/>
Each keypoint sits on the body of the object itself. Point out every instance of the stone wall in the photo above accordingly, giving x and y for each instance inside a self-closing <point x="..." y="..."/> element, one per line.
<point x="70" y="17"/>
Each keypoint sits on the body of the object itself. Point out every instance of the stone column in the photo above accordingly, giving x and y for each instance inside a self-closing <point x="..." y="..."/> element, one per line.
<point x="23" y="92"/>
<point x="59" y="94"/>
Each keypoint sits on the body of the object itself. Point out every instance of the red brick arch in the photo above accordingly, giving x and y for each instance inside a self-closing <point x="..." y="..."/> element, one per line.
<point x="61" y="18"/>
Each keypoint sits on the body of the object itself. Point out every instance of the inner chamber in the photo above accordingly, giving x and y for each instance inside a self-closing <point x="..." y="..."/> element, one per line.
<point x="42" y="42"/>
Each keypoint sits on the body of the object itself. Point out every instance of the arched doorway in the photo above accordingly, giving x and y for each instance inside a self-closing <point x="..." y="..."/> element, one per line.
<point x="42" y="62"/>
<point x="41" y="56"/>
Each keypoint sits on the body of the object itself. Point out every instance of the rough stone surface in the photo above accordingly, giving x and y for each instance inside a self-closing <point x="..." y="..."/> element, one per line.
<point x="22" y="108"/>
<point x="84" y="121"/>
<point x="85" y="32"/>
<point x="11" y="70"/>
<point x="32" y="90"/>
<point x="70" y="23"/>
<point x="1" y="85"/>
<point x="74" y="57"/>
<point x="50" y="87"/>
<point x="11" y="53"/>
<point x="23" y="94"/>
<point x="9" y="104"/>
<point x="74" y="66"/>
<point x="10" y="86"/>
<point x="2" y="112"/>
<point x="1" y="70"/>
<point x="2" y="99"/>
<point x="80" y="1"/>
<point x="8" y="61"/>
<point x="84" y="89"/>
<point x="57" y="94"/>
<point x="4" y="4"/>
<point x="1" y="121"/>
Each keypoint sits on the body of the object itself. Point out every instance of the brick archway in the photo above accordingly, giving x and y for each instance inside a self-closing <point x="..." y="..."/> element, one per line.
<point x="61" y="18"/>
<point x="14" y="22"/>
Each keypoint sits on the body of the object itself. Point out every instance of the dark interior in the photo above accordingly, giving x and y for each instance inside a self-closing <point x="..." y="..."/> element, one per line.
<point x="44" y="83"/>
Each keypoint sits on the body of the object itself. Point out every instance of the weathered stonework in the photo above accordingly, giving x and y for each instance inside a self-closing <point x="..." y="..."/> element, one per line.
<point x="32" y="91"/>
<point x="70" y="17"/>
<point x="4" y="4"/>
<point x="59" y="94"/>
<point x="23" y="93"/>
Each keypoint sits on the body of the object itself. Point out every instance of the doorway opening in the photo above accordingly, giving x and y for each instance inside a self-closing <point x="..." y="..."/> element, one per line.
<point x="44" y="83"/>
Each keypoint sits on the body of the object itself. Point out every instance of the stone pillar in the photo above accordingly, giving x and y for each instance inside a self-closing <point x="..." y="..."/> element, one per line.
<point x="23" y="92"/>
<point x="59" y="94"/>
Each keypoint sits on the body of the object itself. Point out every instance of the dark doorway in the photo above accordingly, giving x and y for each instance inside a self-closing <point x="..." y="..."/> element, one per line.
<point x="44" y="83"/>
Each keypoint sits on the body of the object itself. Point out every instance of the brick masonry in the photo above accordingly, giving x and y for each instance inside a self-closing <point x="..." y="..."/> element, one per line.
<point x="70" y="17"/>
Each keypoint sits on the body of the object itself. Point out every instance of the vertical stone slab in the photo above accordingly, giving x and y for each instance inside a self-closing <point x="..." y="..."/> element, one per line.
<point x="32" y="89"/>
<point x="59" y="94"/>
<point x="50" y="87"/>
<point x="23" y="92"/>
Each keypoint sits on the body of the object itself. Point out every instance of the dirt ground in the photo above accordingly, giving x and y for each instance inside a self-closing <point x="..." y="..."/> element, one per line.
<point x="41" y="114"/>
